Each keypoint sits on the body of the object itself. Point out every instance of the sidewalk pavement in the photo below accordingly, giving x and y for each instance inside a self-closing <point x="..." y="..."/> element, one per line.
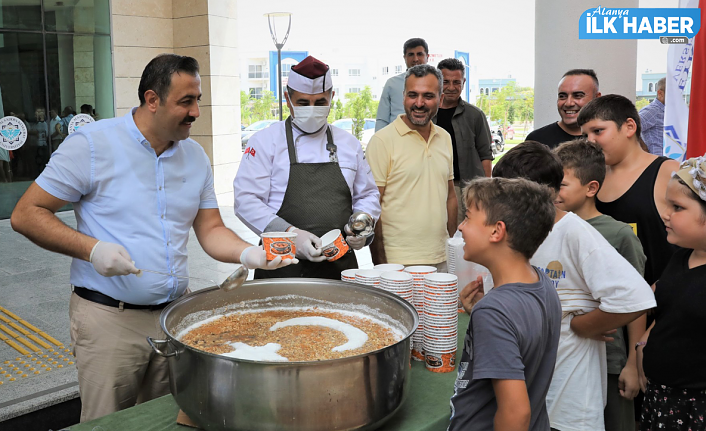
<point x="34" y="288"/>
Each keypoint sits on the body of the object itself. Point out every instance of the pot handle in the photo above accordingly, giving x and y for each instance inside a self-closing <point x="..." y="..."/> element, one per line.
<point x="157" y="344"/>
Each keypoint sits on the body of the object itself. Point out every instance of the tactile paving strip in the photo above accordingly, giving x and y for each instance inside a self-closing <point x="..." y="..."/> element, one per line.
<point x="38" y="351"/>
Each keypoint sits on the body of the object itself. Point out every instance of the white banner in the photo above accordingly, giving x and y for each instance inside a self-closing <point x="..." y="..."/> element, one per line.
<point x="676" y="111"/>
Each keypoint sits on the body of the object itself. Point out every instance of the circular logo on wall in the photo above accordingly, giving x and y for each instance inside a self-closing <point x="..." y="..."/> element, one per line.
<point x="79" y="121"/>
<point x="13" y="133"/>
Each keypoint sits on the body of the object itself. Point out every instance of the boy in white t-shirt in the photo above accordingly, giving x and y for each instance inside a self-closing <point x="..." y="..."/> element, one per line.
<point x="599" y="292"/>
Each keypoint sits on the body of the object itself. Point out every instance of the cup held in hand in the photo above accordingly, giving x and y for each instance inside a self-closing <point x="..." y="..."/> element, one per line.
<point x="279" y="244"/>
<point x="333" y="246"/>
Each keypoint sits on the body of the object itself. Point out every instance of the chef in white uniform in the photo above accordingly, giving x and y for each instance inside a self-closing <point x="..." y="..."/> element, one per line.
<point x="303" y="175"/>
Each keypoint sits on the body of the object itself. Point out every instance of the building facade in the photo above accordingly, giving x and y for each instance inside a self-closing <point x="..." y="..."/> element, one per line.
<point x="56" y="56"/>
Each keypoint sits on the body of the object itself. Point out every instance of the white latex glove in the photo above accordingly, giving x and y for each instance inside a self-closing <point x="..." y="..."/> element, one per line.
<point x="112" y="259"/>
<point x="308" y="246"/>
<point x="355" y="242"/>
<point x="255" y="257"/>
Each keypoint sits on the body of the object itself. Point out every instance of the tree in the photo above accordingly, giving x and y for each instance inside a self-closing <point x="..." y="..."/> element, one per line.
<point x="245" y="110"/>
<point x="262" y="109"/>
<point x="360" y="106"/>
<point x="641" y="103"/>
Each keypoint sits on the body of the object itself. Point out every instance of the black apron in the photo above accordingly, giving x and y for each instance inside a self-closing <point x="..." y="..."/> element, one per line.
<point x="317" y="200"/>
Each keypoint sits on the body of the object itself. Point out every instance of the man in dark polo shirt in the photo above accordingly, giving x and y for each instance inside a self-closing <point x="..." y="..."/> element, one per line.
<point x="576" y="88"/>
<point x="468" y="127"/>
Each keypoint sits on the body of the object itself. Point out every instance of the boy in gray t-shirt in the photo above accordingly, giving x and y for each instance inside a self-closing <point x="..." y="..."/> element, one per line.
<point x="511" y="343"/>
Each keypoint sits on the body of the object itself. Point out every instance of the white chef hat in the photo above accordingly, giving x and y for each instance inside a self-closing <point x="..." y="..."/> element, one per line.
<point x="310" y="76"/>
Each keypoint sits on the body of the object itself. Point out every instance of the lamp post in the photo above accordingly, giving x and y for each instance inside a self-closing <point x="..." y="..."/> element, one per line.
<point x="273" y="32"/>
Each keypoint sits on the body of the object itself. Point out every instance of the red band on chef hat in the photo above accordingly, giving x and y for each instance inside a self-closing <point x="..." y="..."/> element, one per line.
<point x="310" y="76"/>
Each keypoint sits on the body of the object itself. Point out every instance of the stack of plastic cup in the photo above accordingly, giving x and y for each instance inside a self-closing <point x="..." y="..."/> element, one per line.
<point x="452" y="247"/>
<point x="348" y="275"/>
<point x="389" y="267"/>
<point x="440" y="319"/>
<point x="370" y="277"/>
<point x="399" y="283"/>
<point x="418" y="273"/>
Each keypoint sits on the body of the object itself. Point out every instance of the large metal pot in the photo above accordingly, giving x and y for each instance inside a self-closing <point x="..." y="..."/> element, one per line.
<point x="355" y="393"/>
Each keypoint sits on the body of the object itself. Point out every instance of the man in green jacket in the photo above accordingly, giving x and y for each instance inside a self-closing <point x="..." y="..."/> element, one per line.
<point x="468" y="127"/>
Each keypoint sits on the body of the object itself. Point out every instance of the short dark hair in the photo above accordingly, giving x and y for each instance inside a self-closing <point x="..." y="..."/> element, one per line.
<point x="525" y="207"/>
<point x="422" y="70"/>
<point x="86" y="108"/>
<point x="611" y="107"/>
<point x="157" y="75"/>
<point x="451" y="64"/>
<point x="587" y="72"/>
<point x="533" y="161"/>
<point x="413" y="43"/>
<point x="585" y="158"/>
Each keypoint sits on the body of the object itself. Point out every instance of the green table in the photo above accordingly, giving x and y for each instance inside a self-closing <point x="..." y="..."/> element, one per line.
<point x="426" y="408"/>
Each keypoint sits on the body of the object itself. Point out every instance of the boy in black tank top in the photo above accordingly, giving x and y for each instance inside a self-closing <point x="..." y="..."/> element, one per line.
<point x="635" y="184"/>
<point x="636" y="181"/>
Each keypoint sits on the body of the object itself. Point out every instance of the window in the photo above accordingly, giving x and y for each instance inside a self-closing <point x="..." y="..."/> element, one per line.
<point x="385" y="70"/>
<point x="255" y="71"/>
<point x="335" y="90"/>
<point x="398" y="69"/>
<point x="334" y="72"/>
<point x="651" y="88"/>
<point x="50" y="66"/>
<point x="354" y="90"/>
<point x="256" y="93"/>
<point x="285" y="69"/>
<point x="353" y="72"/>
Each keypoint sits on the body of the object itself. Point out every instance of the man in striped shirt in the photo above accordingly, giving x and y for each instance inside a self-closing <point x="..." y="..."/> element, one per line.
<point x="652" y="120"/>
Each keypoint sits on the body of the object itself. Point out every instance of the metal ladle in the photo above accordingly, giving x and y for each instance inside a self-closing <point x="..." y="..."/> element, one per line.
<point x="361" y="224"/>
<point x="234" y="281"/>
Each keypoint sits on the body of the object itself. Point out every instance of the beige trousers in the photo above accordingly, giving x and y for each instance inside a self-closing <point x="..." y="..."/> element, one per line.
<point x="116" y="367"/>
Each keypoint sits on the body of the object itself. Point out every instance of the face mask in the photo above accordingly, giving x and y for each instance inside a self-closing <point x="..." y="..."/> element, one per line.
<point x="310" y="118"/>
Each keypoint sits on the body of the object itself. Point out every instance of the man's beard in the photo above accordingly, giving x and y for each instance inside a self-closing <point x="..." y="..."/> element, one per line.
<point x="422" y="122"/>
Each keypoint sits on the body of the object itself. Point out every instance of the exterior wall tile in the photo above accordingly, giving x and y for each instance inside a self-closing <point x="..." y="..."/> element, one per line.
<point x="201" y="54"/>
<point x="126" y="92"/>
<point x="223" y="177"/>
<point x="227" y="149"/>
<point x="203" y="125"/>
<point x="224" y="61"/>
<point x="191" y="31"/>
<point x="225" y="120"/>
<point x="207" y="143"/>
<point x="152" y="8"/>
<point x="142" y="32"/>
<point x="186" y="8"/>
<point x="224" y="8"/>
<point x="131" y="61"/>
<point x="223" y="31"/>
<point x="225" y="90"/>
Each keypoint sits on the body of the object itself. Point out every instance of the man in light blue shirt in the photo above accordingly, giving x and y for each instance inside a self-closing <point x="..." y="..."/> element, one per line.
<point x="138" y="184"/>
<point x="652" y="121"/>
<point x="416" y="51"/>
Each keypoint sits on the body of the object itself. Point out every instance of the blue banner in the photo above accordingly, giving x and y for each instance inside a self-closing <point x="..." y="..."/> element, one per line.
<point x="639" y="23"/>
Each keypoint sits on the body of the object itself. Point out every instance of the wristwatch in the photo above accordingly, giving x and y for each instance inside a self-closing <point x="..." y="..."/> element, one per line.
<point x="640" y="343"/>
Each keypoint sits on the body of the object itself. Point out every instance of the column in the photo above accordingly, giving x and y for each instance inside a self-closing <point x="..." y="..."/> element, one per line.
<point x="558" y="49"/>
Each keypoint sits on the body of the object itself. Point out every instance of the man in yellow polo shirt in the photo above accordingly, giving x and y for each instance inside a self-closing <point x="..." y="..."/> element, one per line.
<point x="412" y="163"/>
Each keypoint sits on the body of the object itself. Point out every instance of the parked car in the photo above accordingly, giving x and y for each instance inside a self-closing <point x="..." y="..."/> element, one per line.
<point x="368" y="128"/>
<point x="251" y="129"/>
